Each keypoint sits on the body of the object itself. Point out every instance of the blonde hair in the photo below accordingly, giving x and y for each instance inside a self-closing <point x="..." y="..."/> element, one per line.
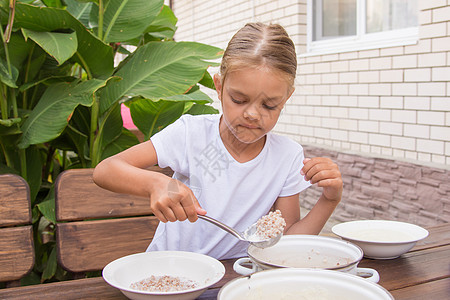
<point x="260" y="45"/>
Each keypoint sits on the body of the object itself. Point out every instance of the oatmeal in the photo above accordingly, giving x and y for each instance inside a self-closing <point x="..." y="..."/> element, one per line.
<point x="270" y="225"/>
<point x="164" y="284"/>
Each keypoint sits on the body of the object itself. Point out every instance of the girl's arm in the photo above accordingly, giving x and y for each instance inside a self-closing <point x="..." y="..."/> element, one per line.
<point x="326" y="174"/>
<point x="126" y="172"/>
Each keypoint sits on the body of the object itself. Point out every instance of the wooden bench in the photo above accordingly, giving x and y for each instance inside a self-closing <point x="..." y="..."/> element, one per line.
<point x="16" y="232"/>
<point x="96" y="226"/>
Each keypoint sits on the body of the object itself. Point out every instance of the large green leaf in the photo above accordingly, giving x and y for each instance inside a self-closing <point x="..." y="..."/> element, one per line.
<point x="200" y="109"/>
<point x="124" y="141"/>
<point x="163" y="26"/>
<point x="94" y="55"/>
<point x="61" y="46"/>
<point x="196" y="96"/>
<point x="127" y="19"/>
<point x="151" y="117"/>
<point x="110" y="128"/>
<point x="19" y="49"/>
<point x="80" y="11"/>
<point x="52" y="113"/>
<point x="160" y="69"/>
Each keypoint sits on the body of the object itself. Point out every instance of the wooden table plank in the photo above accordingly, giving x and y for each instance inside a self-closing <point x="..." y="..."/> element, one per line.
<point x="439" y="236"/>
<point x="88" y="288"/>
<point x="439" y="289"/>
<point x="412" y="268"/>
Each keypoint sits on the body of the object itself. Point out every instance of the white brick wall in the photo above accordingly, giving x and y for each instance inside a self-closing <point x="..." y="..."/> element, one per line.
<point x="386" y="101"/>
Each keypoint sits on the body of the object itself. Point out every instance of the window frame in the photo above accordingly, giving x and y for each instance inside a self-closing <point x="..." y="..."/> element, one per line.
<point x="360" y="41"/>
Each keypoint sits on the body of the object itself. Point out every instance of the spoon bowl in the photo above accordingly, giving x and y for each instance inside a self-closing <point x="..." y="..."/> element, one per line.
<point x="249" y="235"/>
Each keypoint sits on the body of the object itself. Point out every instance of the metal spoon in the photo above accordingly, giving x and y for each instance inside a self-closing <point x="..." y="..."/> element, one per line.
<point x="248" y="235"/>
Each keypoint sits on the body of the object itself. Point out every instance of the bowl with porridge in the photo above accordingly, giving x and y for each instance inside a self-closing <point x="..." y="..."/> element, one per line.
<point x="163" y="274"/>
<point x="306" y="252"/>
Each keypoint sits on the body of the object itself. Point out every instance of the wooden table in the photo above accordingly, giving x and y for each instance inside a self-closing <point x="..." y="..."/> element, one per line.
<point x="422" y="273"/>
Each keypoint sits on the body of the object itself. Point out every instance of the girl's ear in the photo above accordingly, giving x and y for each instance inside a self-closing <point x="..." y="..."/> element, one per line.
<point x="218" y="85"/>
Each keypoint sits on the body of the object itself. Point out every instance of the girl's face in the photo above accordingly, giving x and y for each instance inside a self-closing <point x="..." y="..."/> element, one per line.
<point x="252" y="100"/>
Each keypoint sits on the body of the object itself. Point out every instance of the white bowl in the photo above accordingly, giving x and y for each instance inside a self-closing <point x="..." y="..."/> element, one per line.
<point x="310" y="284"/>
<point x="202" y="269"/>
<point x="381" y="239"/>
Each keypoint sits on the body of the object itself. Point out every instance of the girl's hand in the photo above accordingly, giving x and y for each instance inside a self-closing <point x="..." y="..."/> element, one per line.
<point x="174" y="201"/>
<point x="326" y="174"/>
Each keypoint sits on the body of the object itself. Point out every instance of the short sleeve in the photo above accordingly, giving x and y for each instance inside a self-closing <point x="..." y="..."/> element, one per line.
<point x="170" y="145"/>
<point x="295" y="182"/>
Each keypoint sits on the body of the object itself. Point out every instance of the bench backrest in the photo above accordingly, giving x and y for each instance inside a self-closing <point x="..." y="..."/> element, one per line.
<point x="16" y="232"/>
<point x="96" y="226"/>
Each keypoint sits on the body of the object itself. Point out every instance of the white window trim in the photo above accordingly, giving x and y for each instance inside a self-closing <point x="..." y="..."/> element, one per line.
<point x="360" y="41"/>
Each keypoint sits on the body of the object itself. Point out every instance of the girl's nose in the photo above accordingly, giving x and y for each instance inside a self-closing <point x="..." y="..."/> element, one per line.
<point x="252" y="113"/>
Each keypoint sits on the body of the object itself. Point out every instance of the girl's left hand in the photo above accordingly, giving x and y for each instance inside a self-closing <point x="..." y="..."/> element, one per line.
<point x="326" y="174"/>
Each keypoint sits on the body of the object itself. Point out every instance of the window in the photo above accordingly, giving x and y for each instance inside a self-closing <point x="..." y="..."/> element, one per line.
<point x="348" y="25"/>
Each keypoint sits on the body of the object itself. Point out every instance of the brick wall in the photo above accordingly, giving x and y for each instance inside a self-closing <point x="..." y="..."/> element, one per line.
<point x="377" y="188"/>
<point x="386" y="101"/>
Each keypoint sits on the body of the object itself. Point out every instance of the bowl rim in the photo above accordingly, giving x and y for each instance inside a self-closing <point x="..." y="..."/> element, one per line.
<point x="336" y="230"/>
<point x="310" y="237"/>
<point x="213" y="261"/>
<point x="293" y="272"/>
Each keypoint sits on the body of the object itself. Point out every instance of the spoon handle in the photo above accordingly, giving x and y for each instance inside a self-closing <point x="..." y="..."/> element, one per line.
<point x="222" y="226"/>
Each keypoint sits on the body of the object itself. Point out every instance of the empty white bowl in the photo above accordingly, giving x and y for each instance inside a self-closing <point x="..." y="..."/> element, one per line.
<point x="381" y="239"/>
<point x="308" y="284"/>
<point x="202" y="269"/>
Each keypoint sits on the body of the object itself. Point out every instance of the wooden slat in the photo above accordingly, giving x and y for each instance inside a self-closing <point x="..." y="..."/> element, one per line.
<point x="91" y="245"/>
<point x="80" y="198"/>
<point x="86" y="289"/>
<point x="438" y="235"/>
<point x="412" y="268"/>
<point x="14" y="201"/>
<point x="16" y="252"/>
<point x="439" y="289"/>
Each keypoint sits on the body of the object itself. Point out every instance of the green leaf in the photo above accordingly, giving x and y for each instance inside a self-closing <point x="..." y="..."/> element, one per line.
<point x="48" y="80"/>
<point x="34" y="171"/>
<point x="160" y="69"/>
<point x="151" y="117"/>
<point x="61" y="46"/>
<point x="207" y="81"/>
<point x="53" y="3"/>
<point x="52" y="113"/>
<point x="199" y="109"/>
<point x="163" y="26"/>
<point x="19" y="49"/>
<point x="124" y="141"/>
<point x="80" y="11"/>
<point x="7" y="78"/>
<point x="30" y="279"/>
<point x="47" y="208"/>
<point x="4" y="169"/>
<point x="127" y="19"/>
<point x="50" y="268"/>
<point x="196" y="96"/>
<point x="94" y="55"/>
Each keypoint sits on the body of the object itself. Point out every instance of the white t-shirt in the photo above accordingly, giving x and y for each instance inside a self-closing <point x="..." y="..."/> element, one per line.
<point x="235" y="193"/>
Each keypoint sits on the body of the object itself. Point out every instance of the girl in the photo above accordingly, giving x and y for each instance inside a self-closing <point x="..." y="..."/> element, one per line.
<point x="229" y="166"/>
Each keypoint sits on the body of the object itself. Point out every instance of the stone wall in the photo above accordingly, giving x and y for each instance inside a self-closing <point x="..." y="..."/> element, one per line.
<point x="378" y="188"/>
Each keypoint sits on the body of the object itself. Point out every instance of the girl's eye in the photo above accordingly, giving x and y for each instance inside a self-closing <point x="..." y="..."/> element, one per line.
<point x="269" y="107"/>
<point x="237" y="101"/>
